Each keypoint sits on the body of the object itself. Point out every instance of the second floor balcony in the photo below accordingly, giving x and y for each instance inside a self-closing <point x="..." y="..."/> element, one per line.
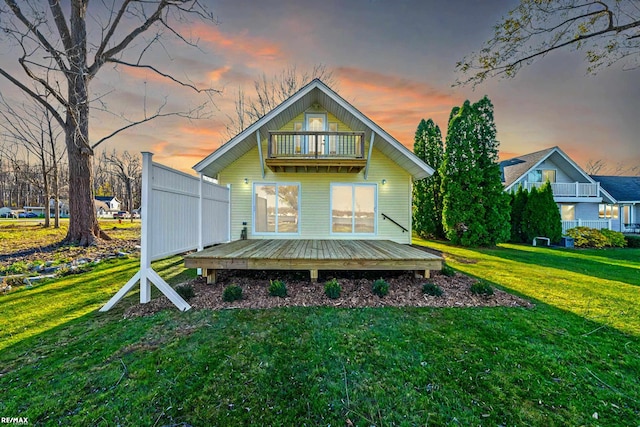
<point x="569" y="189"/>
<point x="312" y="151"/>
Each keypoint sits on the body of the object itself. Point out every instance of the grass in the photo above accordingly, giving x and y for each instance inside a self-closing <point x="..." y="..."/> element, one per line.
<point x="22" y="234"/>
<point x="602" y="285"/>
<point x="552" y="365"/>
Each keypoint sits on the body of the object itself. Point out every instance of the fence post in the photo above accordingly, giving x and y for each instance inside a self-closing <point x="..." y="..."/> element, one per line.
<point x="577" y="189"/>
<point x="200" y="212"/>
<point x="145" y="258"/>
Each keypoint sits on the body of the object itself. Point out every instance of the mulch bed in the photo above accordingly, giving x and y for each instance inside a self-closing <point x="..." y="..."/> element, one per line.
<point x="404" y="291"/>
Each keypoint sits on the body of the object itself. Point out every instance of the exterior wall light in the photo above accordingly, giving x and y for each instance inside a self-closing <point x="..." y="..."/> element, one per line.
<point x="246" y="180"/>
<point x="384" y="182"/>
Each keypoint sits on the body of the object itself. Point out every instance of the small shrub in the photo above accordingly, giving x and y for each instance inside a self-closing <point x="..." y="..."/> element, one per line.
<point x="431" y="289"/>
<point x="632" y="241"/>
<point x="585" y="237"/>
<point x="332" y="289"/>
<point x="447" y="270"/>
<point x="232" y="293"/>
<point x="186" y="291"/>
<point x="277" y="288"/>
<point x="18" y="267"/>
<point x="481" y="288"/>
<point x="380" y="287"/>
<point x="615" y="238"/>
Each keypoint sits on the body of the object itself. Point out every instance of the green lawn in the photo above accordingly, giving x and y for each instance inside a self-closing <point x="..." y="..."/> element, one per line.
<point x="574" y="359"/>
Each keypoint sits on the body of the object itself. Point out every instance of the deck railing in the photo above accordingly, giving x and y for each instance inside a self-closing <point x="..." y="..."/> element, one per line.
<point x="569" y="189"/>
<point x="310" y="144"/>
<point x="598" y="224"/>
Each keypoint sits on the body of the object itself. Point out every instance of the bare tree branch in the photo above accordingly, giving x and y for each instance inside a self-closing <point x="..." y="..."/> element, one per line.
<point x="606" y="30"/>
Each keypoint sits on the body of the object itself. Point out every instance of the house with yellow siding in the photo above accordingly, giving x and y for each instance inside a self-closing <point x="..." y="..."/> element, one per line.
<point x="315" y="167"/>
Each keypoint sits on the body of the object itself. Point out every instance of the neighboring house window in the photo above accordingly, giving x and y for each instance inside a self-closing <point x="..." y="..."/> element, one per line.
<point x="276" y="208"/>
<point x="626" y="214"/>
<point x="353" y="208"/>
<point x="542" y="175"/>
<point x="568" y="212"/>
<point x="608" y="211"/>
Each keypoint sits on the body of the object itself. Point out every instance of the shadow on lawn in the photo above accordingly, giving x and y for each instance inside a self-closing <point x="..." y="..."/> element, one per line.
<point x="567" y="260"/>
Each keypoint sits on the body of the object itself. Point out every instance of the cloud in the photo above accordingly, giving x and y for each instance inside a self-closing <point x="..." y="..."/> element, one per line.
<point x="238" y="44"/>
<point x="397" y="104"/>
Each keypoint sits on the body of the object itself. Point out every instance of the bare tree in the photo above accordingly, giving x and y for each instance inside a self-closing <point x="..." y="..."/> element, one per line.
<point x="127" y="169"/>
<point x="55" y="50"/>
<point x="594" y="166"/>
<point x="607" y="31"/>
<point x="600" y="167"/>
<point x="32" y="127"/>
<point x="269" y="92"/>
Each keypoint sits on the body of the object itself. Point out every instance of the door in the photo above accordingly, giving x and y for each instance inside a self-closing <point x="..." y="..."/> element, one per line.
<point x="316" y="143"/>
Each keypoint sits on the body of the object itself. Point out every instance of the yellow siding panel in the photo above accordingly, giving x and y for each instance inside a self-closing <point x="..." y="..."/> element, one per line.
<point x="394" y="198"/>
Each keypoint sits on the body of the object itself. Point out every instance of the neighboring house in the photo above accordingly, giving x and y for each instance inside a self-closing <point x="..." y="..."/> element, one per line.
<point x="102" y="209"/>
<point x="317" y="168"/>
<point x="7" y="212"/>
<point x="578" y="195"/>
<point x="38" y="210"/>
<point x="63" y="207"/>
<point x="112" y="202"/>
<point x="624" y="208"/>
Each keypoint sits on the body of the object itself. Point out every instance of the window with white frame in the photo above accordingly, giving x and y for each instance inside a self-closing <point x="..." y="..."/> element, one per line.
<point x="608" y="211"/>
<point x="276" y="208"/>
<point x="568" y="212"/>
<point x="542" y="175"/>
<point x="353" y="208"/>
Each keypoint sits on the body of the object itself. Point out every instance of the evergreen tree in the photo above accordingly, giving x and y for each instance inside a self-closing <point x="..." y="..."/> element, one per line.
<point x="475" y="206"/>
<point x="518" y="204"/>
<point x="427" y="200"/>
<point x="541" y="215"/>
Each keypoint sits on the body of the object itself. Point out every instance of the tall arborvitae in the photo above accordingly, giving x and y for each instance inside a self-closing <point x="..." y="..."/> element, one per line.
<point x="518" y="205"/>
<point x="475" y="207"/>
<point x="427" y="201"/>
<point x="541" y="217"/>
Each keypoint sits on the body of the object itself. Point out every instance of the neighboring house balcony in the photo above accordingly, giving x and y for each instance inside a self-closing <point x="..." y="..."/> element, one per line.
<point x="316" y="151"/>
<point x="571" y="190"/>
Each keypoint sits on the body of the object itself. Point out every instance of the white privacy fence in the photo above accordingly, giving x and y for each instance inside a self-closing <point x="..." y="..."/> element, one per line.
<point x="179" y="213"/>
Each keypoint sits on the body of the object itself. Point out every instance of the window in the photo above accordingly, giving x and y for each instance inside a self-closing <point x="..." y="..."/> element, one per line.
<point x="626" y="214"/>
<point x="276" y="208"/>
<point x="568" y="212"/>
<point x="608" y="211"/>
<point x="353" y="208"/>
<point x="542" y="175"/>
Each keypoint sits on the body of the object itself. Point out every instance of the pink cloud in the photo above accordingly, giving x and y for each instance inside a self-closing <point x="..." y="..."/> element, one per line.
<point x="240" y="43"/>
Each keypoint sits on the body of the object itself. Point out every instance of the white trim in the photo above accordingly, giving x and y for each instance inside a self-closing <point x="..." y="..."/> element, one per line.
<point x="353" y="186"/>
<point x="253" y="209"/>
<point x="316" y="83"/>
<point x="366" y="168"/>
<point x="259" y="142"/>
<point x="325" y="124"/>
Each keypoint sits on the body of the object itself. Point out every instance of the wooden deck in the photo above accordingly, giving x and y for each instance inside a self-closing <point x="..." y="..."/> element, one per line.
<point x="312" y="255"/>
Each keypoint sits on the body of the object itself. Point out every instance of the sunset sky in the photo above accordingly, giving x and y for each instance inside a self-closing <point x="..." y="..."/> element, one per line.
<point x="393" y="60"/>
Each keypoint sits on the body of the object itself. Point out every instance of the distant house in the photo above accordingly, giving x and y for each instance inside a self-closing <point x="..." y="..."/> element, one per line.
<point x="578" y="195"/>
<point x="63" y="207"/>
<point x="112" y="202"/>
<point x="624" y="209"/>
<point x="102" y="209"/>
<point x="317" y="168"/>
<point x="7" y="212"/>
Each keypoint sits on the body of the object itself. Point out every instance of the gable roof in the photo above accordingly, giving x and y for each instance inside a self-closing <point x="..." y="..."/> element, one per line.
<point x="515" y="168"/>
<point x="106" y="198"/>
<point x="621" y="188"/>
<point x="315" y="92"/>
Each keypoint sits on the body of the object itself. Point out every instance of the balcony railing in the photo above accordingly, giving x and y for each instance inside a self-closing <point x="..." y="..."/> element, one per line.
<point x="319" y="145"/>
<point x="598" y="224"/>
<point x="569" y="189"/>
